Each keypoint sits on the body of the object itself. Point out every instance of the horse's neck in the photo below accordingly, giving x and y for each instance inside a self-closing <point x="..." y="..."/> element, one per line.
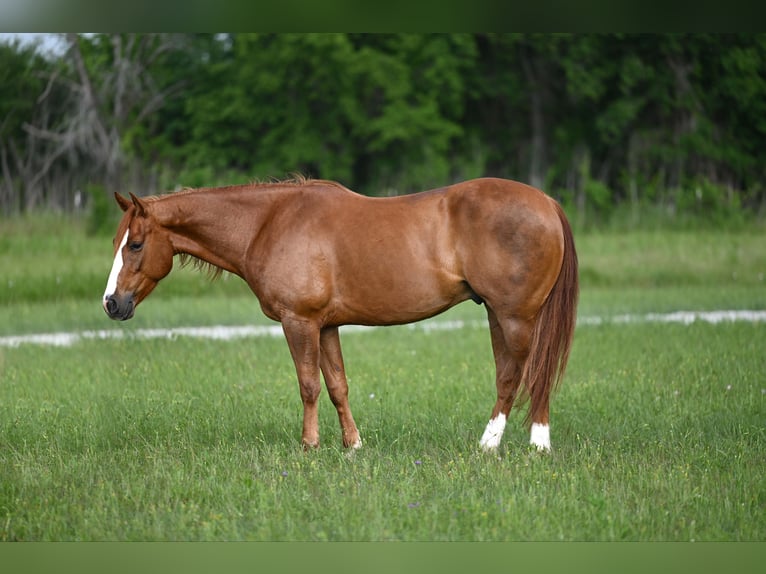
<point x="214" y="226"/>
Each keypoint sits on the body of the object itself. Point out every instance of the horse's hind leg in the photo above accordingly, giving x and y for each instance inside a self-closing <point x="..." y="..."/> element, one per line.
<point x="331" y="362"/>
<point x="510" y="346"/>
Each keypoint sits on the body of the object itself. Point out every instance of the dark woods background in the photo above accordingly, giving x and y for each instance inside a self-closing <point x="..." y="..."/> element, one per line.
<point x="632" y="128"/>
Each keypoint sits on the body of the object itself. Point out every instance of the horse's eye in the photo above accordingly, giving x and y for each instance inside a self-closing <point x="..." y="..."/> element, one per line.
<point x="135" y="246"/>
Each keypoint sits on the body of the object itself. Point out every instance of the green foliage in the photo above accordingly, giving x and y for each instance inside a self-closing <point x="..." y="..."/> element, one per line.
<point x="20" y="84"/>
<point x="709" y="202"/>
<point x="103" y="213"/>
<point x="610" y="123"/>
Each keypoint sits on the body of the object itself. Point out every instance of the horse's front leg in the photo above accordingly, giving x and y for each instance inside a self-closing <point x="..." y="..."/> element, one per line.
<point x="331" y="362"/>
<point x="303" y="340"/>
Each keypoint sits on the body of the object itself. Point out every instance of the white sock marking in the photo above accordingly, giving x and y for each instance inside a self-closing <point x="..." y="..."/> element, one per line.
<point x="111" y="284"/>
<point x="493" y="433"/>
<point x="540" y="436"/>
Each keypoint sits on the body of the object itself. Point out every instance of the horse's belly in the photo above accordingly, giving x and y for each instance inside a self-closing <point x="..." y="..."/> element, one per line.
<point x="398" y="298"/>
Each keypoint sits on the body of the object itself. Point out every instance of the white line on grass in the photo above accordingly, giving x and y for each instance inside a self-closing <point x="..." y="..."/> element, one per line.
<point x="223" y="332"/>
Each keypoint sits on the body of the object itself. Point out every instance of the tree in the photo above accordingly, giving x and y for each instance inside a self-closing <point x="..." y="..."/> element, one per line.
<point x="110" y="89"/>
<point x="412" y="92"/>
<point x="27" y="98"/>
<point x="598" y="120"/>
<point x="369" y="110"/>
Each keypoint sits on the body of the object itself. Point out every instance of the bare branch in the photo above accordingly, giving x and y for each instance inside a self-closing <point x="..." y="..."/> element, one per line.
<point x="52" y="80"/>
<point x="102" y="103"/>
<point x="44" y="134"/>
<point x="157" y="100"/>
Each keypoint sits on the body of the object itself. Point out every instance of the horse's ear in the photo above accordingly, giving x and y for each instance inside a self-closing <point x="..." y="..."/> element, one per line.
<point x="123" y="202"/>
<point x="140" y="205"/>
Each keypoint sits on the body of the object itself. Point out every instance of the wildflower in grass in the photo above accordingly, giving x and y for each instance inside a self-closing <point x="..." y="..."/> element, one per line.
<point x="418" y="462"/>
<point x="728" y="387"/>
<point x="284" y="473"/>
<point x="413" y="505"/>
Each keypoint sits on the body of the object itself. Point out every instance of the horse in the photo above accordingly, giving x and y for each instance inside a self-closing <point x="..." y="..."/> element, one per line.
<point x="319" y="256"/>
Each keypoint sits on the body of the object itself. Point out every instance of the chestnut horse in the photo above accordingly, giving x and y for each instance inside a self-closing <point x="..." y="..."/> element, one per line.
<point x="318" y="256"/>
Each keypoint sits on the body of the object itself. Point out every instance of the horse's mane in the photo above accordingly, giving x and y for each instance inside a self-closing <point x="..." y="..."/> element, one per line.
<point x="212" y="271"/>
<point x="297" y="179"/>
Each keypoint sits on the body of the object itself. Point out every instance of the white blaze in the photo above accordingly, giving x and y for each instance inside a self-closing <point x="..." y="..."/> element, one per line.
<point x="493" y="433"/>
<point x="111" y="284"/>
<point x="540" y="436"/>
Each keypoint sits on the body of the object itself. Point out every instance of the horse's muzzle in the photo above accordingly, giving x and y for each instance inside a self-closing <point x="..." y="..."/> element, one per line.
<point x="120" y="309"/>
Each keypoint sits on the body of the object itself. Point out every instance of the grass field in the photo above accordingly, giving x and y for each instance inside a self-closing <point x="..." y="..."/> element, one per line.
<point x="659" y="430"/>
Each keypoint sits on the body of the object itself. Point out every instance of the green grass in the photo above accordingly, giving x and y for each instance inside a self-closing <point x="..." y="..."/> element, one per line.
<point x="680" y="258"/>
<point x="658" y="430"/>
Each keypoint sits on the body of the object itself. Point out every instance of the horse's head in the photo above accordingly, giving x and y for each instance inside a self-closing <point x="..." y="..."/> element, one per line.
<point x="143" y="255"/>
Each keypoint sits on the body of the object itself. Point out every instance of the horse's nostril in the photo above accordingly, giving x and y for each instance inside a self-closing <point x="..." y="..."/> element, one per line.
<point x="111" y="305"/>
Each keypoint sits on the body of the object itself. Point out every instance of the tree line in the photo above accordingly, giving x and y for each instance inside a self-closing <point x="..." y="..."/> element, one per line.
<point x="601" y="121"/>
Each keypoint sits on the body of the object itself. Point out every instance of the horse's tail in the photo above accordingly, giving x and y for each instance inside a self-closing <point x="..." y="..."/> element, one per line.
<point x="553" y="331"/>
